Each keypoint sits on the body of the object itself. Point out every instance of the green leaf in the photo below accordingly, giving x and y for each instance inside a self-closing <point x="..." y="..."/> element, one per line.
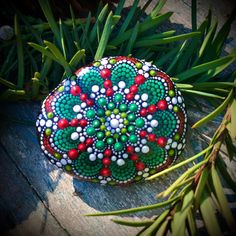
<point x="44" y="4"/>
<point x="222" y="199"/>
<point x="133" y="223"/>
<point x="136" y="209"/>
<point x="194" y="15"/>
<point x="7" y="83"/>
<point x="144" y="26"/>
<point x="233" y="119"/>
<point x="119" y="7"/>
<point x="214" y="113"/>
<point x="132" y="40"/>
<point x="191" y="223"/>
<point x="111" y="20"/>
<point x="200" y="93"/>
<point x="208" y="215"/>
<point x="77" y="57"/>
<point x="151" y="42"/>
<point x="62" y="39"/>
<point x="156" y="10"/>
<point x="20" y="54"/>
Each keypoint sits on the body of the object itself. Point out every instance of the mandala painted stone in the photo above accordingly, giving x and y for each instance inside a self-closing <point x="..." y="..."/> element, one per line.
<point x="116" y="121"/>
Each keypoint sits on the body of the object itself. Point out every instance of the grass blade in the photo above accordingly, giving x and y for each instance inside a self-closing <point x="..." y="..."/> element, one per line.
<point x="133" y="223"/>
<point x="7" y="83"/>
<point x="76" y="58"/>
<point x="132" y="40"/>
<point x="194" y="15"/>
<point x="215" y="113"/>
<point x="62" y="39"/>
<point x="157" y="8"/>
<point x="204" y="94"/>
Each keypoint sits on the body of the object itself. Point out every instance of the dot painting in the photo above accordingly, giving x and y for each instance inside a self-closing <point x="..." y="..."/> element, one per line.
<point x="116" y="121"/>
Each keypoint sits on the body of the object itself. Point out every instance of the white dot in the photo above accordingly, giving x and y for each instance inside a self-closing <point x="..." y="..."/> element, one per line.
<point x="137" y="149"/>
<point x="149" y="117"/>
<point x="144" y="97"/>
<point x="104" y="62"/>
<point x="137" y="97"/>
<point x="149" y="129"/>
<point x="78" y="129"/>
<point x="121" y="84"/>
<point x="83" y="105"/>
<point x="145" y="67"/>
<point x="145" y="149"/>
<point x="82" y="139"/>
<point x="146" y="75"/>
<point x="154" y="123"/>
<point x="120" y="162"/>
<point x="113" y="158"/>
<point x="174" y="145"/>
<point x="79" y="116"/>
<point x="143" y="141"/>
<point x="92" y="157"/>
<point x="55" y="119"/>
<point x="170" y="107"/>
<point x="125" y="155"/>
<point x="89" y="150"/>
<point x="174" y="100"/>
<point x="76" y="108"/>
<point x="103" y="181"/>
<point x="74" y="136"/>
<point x="115" y="88"/>
<point x="145" y="175"/>
<point x="180" y="100"/>
<point x="126" y="91"/>
<point x="114" y="123"/>
<point x="167" y="99"/>
<point x="144" y="104"/>
<point x="49" y="123"/>
<point x="117" y="130"/>
<point x="103" y="90"/>
<point x="179" y="146"/>
<point x="95" y="88"/>
<point x="100" y="155"/>
<point x="42" y="122"/>
<point x="63" y="162"/>
<point x="59" y="164"/>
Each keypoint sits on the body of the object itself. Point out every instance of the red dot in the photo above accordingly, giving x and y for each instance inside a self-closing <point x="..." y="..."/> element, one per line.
<point x="105" y="73"/>
<point x="152" y="137"/>
<point x="83" y="97"/>
<point x="75" y="90"/>
<point x="142" y="133"/>
<point x="74" y="122"/>
<point x="161" y="141"/>
<point x="105" y="172"/>
<point x="82" y="147"/>
<point x="133" y="89"/>
<point x="143" y="112"/>
<point x="140" y="166"/>
<point x="107" y="83"/>
<point x="109" y="92"/>
<point x="63" y="123"/>
<point x="90" y="102"/>
<point x="152" y="109"/>
<point x="73" y="154"/>
<point x="89" y="141"/>
<point x="106" y="161"/>
<point x="139" y="79"/>
<point x="129" y="96"/>
<point x="134" y="157"/>
<point x="129" y="149"/>
<point x="83" y="122"/>
<point x="107" y="153"/>
<point x="162" y="105"/>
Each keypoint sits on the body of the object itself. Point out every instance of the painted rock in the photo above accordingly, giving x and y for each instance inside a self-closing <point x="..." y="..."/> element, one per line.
<point x="117" y="121"/>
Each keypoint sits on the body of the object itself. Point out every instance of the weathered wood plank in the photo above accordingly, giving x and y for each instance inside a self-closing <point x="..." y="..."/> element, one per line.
<point x="21" y="210"/>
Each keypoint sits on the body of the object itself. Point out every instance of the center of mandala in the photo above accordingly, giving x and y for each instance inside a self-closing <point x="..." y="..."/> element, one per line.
<point x="114" y="123"/>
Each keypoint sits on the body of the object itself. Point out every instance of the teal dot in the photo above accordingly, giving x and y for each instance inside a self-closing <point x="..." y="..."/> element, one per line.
<point x="118" y="146"/>
<point x="131" y="128"/>
<point x="111" y="105"/>
<point x="124" y="138"/>
<point x="90" y="114"/>
<point x="90" y="131"/>
<point x="118" y="97"/>
<point x="133" y="107"/>
<point x="100" y="145"/>
<point x="100" y="135"/>
<point x="102" y="101"/>
<point x="110" y="141"/>
<point x="123" y="107"/>
<point x="139" y="122"/>
<point x="131" y="117"/>
<point x="100" y="112"/>
<point x="133" y="138"/>
<point x="96" y="123"/>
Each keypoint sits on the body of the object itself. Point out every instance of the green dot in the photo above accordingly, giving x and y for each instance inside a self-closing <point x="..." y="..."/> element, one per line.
<point x="100" y="135"/>
<point x="116" y="136"/>
<point x="171" y="152"/>
<point x="139" y="122"/>
<point x="96" y="63"/>
<point x="124" y="138"/>
<point x="96" y="123"/>
<point x="110" y="141"/>
<point x="172" y="93"/>
<point x="118" y="97"/>
<point x="138" y="178"/>
<point x="123" y="130"/>
<point x="108" y="133"/>
<point x="90" y="114"/>
<point x="118" y="146"/>
<point x="152" y="72"/>
<point x="100" y="112"/>
<point x="111" y="105"/>
<point x="48" y="131"/>
<point x="68" y="167"/>
<point x="133" y="138"/>
<point x="102" y="101"/>
<point x="100" y="145"/>
<point x="123" y="115"/>
<point x="116" y="111"/>
<point x="133" y="107"/>
<point x="131" y="117"/>
<point x="61" y="89"/>
<point x="102" y="127"/>
<point x="107" y="113"/>
<point x="176" y="137"/>
<point x="90" y="131"/>
<point x="123" y="107"/>
<point x="138" y="65"/>
<point x="152" y="171"/>
<point x="50" y="115"/>
<point x="112" y="61"/>
<point x="131" y="128"/>
<point x="176" y="109"/>
<point x="57" y="155"/>
<point x="126" y="122"/>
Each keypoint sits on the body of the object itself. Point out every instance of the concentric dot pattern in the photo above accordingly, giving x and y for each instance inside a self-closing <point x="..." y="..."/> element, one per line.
<point x="117" y="121"/>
